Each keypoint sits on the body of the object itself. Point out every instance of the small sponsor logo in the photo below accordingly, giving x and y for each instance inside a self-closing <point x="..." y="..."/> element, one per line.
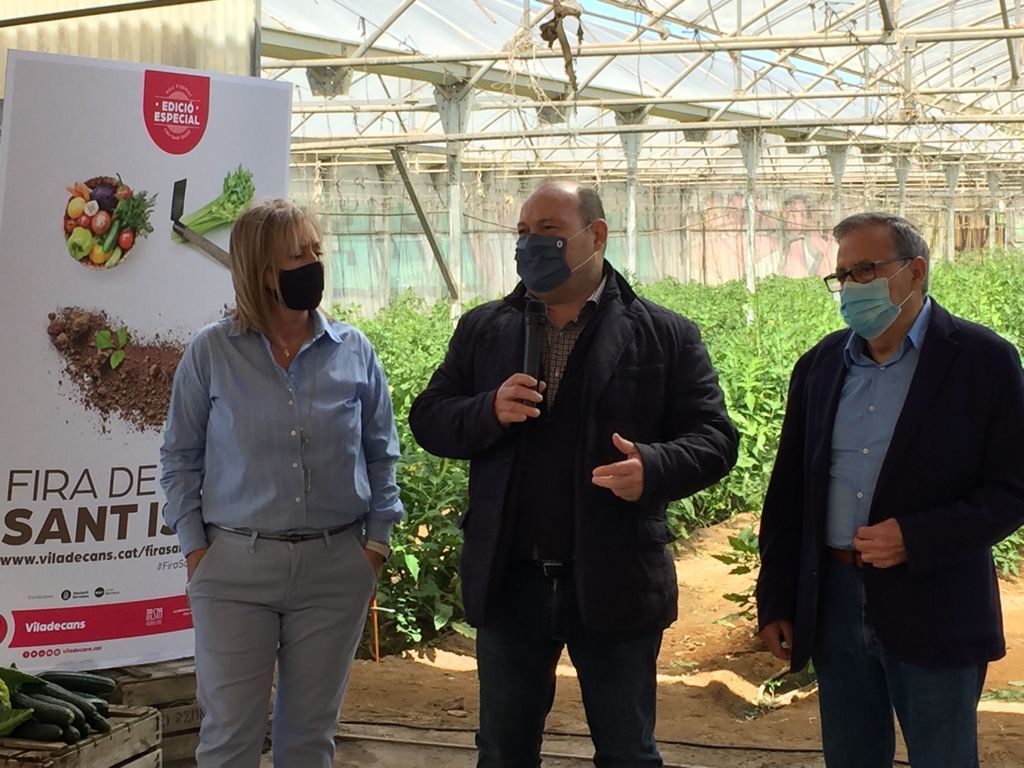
<point x="99" y="592"/>
<point x="65" y="595"/>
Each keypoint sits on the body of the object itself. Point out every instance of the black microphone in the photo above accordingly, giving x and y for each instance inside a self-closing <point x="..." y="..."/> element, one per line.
<point x="536" y="312"/>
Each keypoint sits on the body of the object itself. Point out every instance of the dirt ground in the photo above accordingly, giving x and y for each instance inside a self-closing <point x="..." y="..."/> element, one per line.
<point x="709" y="679"/>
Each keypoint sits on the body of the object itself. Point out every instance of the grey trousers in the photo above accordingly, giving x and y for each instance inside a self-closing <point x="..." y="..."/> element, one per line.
<point x="257" y="602"/>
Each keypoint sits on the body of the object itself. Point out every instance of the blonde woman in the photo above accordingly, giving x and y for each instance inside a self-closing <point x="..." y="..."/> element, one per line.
<point x="279" y="468"/>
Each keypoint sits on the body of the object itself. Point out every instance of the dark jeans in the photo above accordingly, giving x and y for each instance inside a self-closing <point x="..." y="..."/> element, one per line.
<point x="860" y="684"/>
<point x="517" y="651"/>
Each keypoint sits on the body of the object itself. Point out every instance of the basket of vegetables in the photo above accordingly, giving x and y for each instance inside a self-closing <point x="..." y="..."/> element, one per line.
<point x="103" y="219"/>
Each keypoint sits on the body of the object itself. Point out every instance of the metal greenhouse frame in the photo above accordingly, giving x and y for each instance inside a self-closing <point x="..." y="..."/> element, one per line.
<point x="878" y="98"/>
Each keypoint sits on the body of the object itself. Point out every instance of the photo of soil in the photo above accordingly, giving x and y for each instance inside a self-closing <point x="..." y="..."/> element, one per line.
<point x="111" y="371"/>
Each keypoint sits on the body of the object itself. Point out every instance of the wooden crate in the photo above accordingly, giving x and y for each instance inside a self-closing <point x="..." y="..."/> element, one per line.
<point x="153" y="685"/>
<point x="180" y="721"/>
<point x="133" y="742"/>
<point x="170" y="686"/>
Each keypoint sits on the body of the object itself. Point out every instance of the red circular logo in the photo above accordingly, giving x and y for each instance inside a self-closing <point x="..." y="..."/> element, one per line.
<point x="176" y="109"/>
<point x="3" y="628"/>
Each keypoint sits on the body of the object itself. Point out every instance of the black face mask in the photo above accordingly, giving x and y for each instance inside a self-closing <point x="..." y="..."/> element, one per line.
<point x="302" y="288"/>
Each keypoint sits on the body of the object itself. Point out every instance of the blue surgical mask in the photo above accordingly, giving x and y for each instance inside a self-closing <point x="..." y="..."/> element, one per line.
<point x="867" y="308"/>
<point x="540" y="261"/>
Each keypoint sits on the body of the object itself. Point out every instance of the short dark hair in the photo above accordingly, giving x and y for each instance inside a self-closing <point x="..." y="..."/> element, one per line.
<point x="905" y="236"/>
<point x="591" y="208"/>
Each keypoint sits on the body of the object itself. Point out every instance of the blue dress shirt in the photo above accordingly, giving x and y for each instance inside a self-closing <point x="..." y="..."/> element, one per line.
<point x="869" y="405"/>
<point x="251" y="445"/>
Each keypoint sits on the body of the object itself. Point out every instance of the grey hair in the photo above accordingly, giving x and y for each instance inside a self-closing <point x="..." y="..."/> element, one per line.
<point x="905" y="236"/>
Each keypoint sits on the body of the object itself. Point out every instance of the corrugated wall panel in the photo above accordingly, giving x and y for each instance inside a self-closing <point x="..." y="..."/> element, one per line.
<point x="217" y="35"/>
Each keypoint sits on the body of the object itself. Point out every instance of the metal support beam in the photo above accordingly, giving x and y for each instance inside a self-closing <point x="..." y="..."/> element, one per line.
<point x="837" y="163"/>
<point x="993" y="189"/>
<point x="738" y="55"/>
<point x="653" y="19"/>
<point x="952" y="171"/>
<point x="902" y="171"/>
<point x="453" y="104"/>
<point x="784" y="127"/>
<point x="376" y="35"/>
<point x="631" y="143"/>
<point x="750" y="147"/>
<point x="527" y="24"/>
<point x="96" y="10"/>
<point x="657" y="47"/>
<point x="1011" y="51"/>
<point x="403" y="170"/>
<point x="425" y="105"/>
<point x="887" y="21"/>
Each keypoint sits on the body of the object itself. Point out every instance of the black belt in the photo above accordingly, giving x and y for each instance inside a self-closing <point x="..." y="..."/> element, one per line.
<point x="552" y="569"/>
<point x="291" y="538"/>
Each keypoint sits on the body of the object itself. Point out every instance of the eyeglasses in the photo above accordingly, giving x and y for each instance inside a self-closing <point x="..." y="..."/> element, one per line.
<point x="864" y="272"/>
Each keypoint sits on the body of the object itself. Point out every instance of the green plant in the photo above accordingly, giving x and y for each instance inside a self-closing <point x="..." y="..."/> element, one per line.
<point x="744" y="557"/>
<point x="115" y="341"/>
<point x="754" y="360"/>
<point x="1014" y="693"/>
<point x="420" y="596"/>
<point x="1007" y="554"/>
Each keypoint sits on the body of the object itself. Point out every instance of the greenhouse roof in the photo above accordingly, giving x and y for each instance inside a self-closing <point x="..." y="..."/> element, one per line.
<point x="665" y="89"/>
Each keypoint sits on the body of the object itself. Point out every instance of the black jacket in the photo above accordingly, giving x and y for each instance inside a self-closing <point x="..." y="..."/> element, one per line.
<point x="953" y="477"/>
<point x="647" y="376"/>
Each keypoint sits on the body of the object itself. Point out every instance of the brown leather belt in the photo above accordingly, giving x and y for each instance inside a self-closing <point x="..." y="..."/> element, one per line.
<point x="847" y="556"/>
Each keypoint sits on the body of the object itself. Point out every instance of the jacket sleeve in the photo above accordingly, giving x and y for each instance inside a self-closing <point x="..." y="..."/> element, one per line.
<point x="783" y="514"/>
<point x="704" y="443"/>
<point x="449" y="418"/>
<point x="936" y="537"/>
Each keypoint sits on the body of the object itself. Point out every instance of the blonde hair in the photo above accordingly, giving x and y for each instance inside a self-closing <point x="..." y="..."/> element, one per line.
<point x="260" y="235"/>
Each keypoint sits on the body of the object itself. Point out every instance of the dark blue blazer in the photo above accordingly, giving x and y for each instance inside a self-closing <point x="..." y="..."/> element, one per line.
<point x="953" y="477"/>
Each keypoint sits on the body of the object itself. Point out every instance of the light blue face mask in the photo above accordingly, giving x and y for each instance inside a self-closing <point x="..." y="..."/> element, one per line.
<point x="867" y="308"/>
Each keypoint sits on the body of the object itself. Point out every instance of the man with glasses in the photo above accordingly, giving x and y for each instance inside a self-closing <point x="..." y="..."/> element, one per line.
<point x="901" y="462"/>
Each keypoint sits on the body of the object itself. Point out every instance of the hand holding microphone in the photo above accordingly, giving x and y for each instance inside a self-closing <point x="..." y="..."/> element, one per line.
<point x="516" y="399"/>
<point x="518" y="396"/>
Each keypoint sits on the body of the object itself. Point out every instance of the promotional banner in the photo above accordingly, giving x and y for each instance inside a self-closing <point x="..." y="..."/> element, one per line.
<point x="98" y="298"/>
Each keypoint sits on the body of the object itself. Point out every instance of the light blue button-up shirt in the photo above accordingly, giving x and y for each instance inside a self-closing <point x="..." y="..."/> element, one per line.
<point x="251" y="445"/>
<point x="869" y="406"/>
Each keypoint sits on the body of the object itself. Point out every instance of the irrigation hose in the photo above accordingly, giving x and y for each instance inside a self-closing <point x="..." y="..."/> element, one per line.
<point x="472" y="747"/>
<point x="670" y="742"/>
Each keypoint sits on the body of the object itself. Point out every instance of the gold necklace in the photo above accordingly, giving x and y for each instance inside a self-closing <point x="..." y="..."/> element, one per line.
<point x="285" y="348"/>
